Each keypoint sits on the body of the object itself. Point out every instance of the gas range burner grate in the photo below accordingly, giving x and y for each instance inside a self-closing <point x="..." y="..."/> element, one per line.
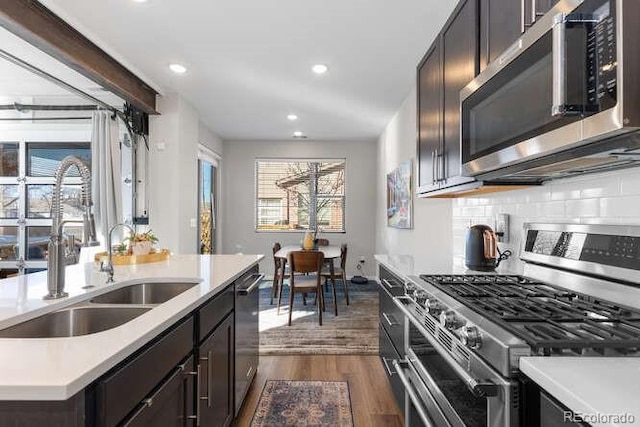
<point x="551" y="320"/>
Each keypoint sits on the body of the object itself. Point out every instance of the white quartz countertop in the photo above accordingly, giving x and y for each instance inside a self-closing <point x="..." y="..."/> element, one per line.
<point x="594" y="386"/>
<point x="57" y="368"/>
<point x="407" y="268"/>
<point x="400" y="265"/>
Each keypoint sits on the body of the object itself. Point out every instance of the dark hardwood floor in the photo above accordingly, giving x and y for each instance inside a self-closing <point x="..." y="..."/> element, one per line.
<point x="372" y="401"/>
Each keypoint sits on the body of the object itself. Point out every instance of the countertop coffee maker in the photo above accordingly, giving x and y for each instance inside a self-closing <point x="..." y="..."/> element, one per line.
<point x="482" y="253"/>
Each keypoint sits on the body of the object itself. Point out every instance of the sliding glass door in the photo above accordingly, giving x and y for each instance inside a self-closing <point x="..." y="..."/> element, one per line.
<point x="207" y="181"/>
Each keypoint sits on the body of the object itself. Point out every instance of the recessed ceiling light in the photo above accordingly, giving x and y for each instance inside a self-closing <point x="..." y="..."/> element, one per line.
<point x="292" y="117"/>
<point x="299" y="134"/>
<point x="178" y="69"/>
<point x="319" y="68"/>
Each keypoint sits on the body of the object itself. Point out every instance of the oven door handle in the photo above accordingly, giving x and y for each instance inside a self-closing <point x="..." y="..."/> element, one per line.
<point x="480" y="388"/>
<point x="411" y="392"/>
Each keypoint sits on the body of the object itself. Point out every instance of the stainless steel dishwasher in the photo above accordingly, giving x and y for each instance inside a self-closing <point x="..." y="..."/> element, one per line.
<point x="246" y="333"/>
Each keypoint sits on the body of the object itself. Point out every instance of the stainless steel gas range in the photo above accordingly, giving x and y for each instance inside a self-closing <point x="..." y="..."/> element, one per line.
<point x="579" y="295"/>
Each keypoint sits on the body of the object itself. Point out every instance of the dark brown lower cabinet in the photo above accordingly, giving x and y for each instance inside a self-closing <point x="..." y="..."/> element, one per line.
<point x="388" y="353"/>
<point x="171" y="404"/>
<point x="123" y="391"/>
<point x="215" y="387"/>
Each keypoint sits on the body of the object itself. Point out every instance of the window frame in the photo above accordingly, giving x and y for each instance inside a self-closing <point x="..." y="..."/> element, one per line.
<point x="343" y="197"/>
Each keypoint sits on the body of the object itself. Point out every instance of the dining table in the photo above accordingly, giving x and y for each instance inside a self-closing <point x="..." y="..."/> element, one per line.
<point x="330" y="253"/>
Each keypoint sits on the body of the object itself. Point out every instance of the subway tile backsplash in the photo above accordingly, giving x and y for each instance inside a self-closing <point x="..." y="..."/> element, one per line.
<point x="608" y="198"/>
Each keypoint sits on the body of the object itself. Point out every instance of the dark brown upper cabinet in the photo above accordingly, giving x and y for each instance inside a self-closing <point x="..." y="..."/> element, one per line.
<point x="429" y="118"/>
<point x="503" y="21"/>
<point x="460" y="64"/>
<point x="449" y="65"/>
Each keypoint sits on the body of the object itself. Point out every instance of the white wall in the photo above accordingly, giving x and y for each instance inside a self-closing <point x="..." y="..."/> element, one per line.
<point x="239" y="203"/>
<point x="429" y="242"/>
<point x="607" y="198"/>
<point x="173" y="172"/>
<point x="209" y="139"/>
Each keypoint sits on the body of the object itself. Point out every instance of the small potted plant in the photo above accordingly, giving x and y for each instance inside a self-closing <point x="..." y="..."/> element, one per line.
<point x="142" y="243"/>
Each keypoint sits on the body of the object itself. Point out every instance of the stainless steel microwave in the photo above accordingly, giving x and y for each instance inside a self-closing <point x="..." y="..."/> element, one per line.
<point x="563" y="99"/>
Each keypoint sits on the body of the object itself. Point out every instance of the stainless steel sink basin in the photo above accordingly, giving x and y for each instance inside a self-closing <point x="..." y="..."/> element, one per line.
<point x="74" y="321"/>
<point x="144" y="293"/>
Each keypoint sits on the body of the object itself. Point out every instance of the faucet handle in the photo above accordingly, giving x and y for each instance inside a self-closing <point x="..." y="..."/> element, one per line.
<point x="107" y="267"/>
<point x="71" y="255"/>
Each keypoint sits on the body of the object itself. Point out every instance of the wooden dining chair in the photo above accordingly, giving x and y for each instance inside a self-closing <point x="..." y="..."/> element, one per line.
<point x="280" y="274"/>
<point x="309" y="262"/>
<point x="327" y="262"/>
<point x="322" y="242"/>
<point x="339" y="273"/>
<point x="278" y="271"/>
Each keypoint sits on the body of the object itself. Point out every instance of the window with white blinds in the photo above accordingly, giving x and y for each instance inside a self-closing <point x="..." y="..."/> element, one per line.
<point x="300" y="195"/>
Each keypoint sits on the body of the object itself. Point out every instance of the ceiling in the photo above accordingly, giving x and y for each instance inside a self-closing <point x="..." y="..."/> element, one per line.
<point x="20" y="85"/>
<point x="249" y="61"/>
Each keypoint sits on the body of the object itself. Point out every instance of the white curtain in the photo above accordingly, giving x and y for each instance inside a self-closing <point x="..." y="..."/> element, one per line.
<point x="106" y="172"/>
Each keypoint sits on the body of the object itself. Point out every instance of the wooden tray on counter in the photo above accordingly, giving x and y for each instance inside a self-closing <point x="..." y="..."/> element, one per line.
<point x="158" y="256"/>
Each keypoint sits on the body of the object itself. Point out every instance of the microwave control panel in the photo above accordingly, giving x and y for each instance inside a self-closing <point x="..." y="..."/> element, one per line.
<point x="602" y="45"/>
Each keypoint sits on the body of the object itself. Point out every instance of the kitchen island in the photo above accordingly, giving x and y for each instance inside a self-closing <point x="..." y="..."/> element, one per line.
<point x="59" y="369"/>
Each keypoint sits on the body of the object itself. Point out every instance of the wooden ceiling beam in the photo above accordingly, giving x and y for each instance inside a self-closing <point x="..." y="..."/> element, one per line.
<point x="36" y="24"/>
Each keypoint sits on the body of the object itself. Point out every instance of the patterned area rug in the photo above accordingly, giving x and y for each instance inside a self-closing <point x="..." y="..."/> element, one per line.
<point x="304" y="403"/>
<point x="353" y="331"/>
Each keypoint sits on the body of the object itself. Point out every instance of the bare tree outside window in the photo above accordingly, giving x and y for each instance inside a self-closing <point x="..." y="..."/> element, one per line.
<point x="300" y="195"/>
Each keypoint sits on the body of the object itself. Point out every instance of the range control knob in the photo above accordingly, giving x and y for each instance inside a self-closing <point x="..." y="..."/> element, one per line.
<point x="434" y="307"/>
<point x="471" y="337"/>
<point x="448" y="319"/>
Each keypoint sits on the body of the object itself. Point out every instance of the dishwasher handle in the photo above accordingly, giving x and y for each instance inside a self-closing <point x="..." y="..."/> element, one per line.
<point x="253" y="286"/>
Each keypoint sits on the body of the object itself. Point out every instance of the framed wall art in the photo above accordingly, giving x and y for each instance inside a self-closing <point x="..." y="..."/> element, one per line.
<point x="399" y="196"/>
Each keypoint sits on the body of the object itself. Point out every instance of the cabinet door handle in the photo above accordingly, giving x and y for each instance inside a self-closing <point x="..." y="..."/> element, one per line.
<point x="436" y="166"/>
<point x="433" y="167"/>
<point x="148" y="402"/>
<point x="386" y="365"/>
<point x="199" y="411"/>
<point x="208" y="396"/>
<point x="196" y="417"/>
<point x="443" y="174"/>
<point x="390" y="285"/>
<point x="390" y="319"/>
<point x="522" y="16"/>
<point x="534" y="12"/>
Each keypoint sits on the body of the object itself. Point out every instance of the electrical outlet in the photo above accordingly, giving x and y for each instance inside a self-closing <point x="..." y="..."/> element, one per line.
<point x="501" y="227"/>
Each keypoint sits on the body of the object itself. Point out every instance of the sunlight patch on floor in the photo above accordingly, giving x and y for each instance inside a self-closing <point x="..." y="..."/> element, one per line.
<point x="270" y="319"/>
